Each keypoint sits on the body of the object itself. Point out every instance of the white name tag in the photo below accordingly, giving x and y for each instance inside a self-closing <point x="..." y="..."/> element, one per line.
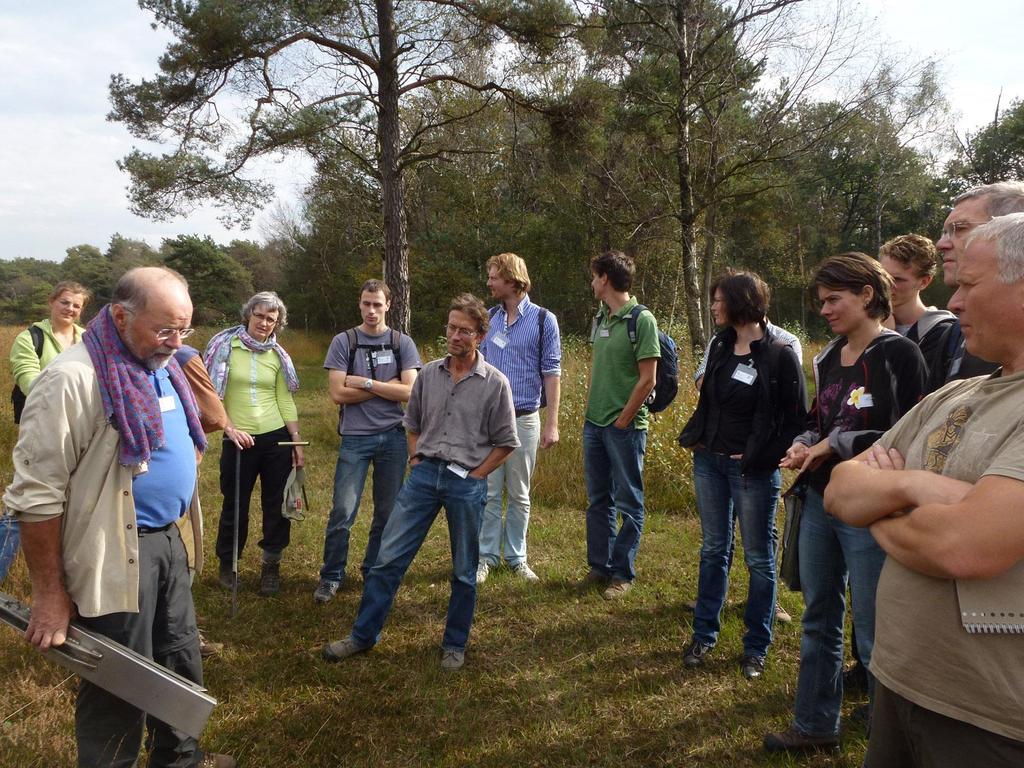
<point x="865" y="401"/>
<point x="500" y="340"/>
<point x="458" y="470"/>
<point x="745" y="374"/>
<point x="604" y="333"/>
<point x="383" y="357"/>
<point x="166" y="403"/>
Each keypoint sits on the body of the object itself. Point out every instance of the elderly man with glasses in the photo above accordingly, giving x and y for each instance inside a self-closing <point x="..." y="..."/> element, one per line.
<point x="460" y="426"/>
<point x="971" y="209"/>
<point x="105" y="491"/>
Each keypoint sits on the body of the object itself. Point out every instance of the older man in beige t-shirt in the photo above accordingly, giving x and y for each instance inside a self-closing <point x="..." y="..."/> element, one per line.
<point x="943" y="493"/>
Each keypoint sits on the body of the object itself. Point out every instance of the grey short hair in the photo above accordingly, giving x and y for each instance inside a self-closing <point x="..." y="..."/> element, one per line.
<point x="1007" y="232"/>
<point x="131" y="290"/>
<point x="1001" y="198"/>
<point x="273" y="303"/>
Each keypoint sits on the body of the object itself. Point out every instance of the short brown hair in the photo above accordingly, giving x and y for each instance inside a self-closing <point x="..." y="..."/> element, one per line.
<point x="71" y="287"/>
<point x="852" y="271"/>
<point x="474" y="309"/>
<point x="376" y="286"/>
<point x="617" y="267"/>
<point x="512" y="268"/>
<point x="915" y="251"/>
<point x="745" y="295"/>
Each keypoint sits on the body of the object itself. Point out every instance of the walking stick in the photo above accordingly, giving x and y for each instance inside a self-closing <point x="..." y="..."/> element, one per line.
<point x="234" y="542"/>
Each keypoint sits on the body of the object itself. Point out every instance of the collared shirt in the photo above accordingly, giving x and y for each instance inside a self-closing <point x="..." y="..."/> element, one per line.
<point x="516" y="351"/>
<point x="66" y="464"/>
<point x="614" y="371"/>
<point x="461" y="422"/>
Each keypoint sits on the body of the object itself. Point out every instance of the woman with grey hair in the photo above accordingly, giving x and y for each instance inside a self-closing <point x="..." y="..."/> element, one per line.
<point x="255" y="378"/>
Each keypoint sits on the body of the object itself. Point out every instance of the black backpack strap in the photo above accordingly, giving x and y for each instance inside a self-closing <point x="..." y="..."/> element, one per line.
<point x="37" y="339"/>
<point x="350" y="334"/>
<point x="396" y="347"/>
<point x="542" y="315"/>
<point x="631" y="322"/>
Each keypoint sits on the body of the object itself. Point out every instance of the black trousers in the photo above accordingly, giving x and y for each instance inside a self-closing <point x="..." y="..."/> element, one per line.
<point x="270" y="463"/>
<point x="109" y="730"/>
<point x="905" y="735"/>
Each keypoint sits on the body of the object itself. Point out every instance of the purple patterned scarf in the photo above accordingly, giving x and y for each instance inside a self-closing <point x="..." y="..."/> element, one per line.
<point x="129" y="399"/>
<point x="218" y="354"/>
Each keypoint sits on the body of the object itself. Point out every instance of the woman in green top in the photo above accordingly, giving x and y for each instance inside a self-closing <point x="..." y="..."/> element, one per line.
<point x="66" y="301"/>
<point x="255" y="377"/>
<point x="60" y="331"/>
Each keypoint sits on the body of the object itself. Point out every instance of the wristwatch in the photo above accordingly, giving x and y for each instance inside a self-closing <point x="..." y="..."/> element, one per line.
<point x="368" y="385"/>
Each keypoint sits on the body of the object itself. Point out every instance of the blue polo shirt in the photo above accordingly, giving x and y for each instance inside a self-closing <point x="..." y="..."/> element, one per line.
<point x="163" y="493"/>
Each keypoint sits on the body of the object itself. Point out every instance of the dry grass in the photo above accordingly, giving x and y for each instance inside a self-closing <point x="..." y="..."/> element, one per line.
<point x="553" y="677"/>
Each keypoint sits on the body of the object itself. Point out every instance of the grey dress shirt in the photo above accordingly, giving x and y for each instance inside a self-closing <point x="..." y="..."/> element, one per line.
<point x="461" y="422"/>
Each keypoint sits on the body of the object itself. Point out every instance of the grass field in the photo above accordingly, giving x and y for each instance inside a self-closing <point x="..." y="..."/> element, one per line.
<point x="553" y="677"/>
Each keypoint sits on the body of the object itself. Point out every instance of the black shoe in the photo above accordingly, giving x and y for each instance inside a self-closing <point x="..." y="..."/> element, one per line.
<point x="791" y="740"/>
<point x="752" y="666"/>
<point x="855" y="679"/>
<point x="226" y="577"/>
<point x="695" y="653"/>
<point x="270" y="579"/>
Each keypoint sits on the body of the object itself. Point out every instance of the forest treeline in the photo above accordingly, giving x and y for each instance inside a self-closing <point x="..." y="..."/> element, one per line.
<point x="692" y="135"/>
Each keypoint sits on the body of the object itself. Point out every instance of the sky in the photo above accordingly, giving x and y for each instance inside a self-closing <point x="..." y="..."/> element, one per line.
<point x="61" y="186"/>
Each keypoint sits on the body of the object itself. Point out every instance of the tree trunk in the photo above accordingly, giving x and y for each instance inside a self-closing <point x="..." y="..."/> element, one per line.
<point x="396" y="246"/>
<point x="687" y="212"/>
<point x="708" y="266"/>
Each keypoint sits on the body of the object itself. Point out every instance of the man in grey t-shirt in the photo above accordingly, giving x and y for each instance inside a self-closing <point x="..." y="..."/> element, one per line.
<point x="462" y="426"/>
<point x="372" y="370"/>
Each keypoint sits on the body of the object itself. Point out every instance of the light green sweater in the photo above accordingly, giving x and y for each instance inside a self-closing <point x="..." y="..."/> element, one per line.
<point x="25" y="366"/>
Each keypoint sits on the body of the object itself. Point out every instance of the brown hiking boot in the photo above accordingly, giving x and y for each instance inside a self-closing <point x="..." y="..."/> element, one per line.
<point x="791" y="740"/>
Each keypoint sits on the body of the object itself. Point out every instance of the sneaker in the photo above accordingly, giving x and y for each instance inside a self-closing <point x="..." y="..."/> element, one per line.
<point x="208" y="648"/>
<point x="213" y="760"/>
<point x="226" y="577"/>
<point x="481" y="572"/>
<point x="342" y="649"/>
<point x="270" y="579"/>
<point x="616" y="589"/>
<point x="594" y="578"/>
<point x="452" y="659"/>
<point x="325" y="591"/>
<point x="791" y="740"/>
<point x="523" y="571"/>
<point x="752" y="666"/>
<point x="695" y="654"/>
<point x="782" y="615"/>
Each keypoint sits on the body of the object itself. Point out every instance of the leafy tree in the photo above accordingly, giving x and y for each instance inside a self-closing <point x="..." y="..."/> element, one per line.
<point x="357" y="79"/>
<point x="218" y="285"/>
<point x="996" y="151"/>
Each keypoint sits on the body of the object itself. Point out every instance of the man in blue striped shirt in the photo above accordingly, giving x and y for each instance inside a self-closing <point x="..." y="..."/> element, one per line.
<point x="523" y="342"/>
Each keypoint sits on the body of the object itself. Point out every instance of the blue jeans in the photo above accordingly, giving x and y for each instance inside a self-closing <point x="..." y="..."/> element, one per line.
<point x="10" y="540"/>
<point x="613" y="465"/>
<point x="430" y="486"/>
<point x="724" y="494"/>
<point x="514" y="476"/>
<point x="388" y="453"/>
<point x="831" y="553"/>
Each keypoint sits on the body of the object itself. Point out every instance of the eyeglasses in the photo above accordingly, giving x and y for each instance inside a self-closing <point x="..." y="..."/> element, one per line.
<point x="163" y="334"/>
<point x="183" y="333"/>
<point x="955" y="228"/>
<point x="455" y="330"/>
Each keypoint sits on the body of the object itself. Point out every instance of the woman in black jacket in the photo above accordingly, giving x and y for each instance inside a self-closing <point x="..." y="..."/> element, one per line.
<point x="865" y="380"/>
<point x="752" y="404"/>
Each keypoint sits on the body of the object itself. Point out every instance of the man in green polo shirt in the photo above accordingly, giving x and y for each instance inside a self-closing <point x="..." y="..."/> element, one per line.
<point x="615" y="426"/>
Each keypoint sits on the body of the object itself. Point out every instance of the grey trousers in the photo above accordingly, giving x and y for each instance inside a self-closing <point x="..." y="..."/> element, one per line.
<point x="109" y="730"/>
